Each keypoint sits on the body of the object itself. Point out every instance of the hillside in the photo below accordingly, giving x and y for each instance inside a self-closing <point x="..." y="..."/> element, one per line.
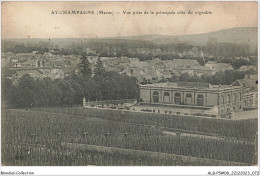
<point x="241" y="35"/>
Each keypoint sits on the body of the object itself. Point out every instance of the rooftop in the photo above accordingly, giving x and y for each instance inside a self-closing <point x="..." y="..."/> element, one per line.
<point x="187" y="85"/>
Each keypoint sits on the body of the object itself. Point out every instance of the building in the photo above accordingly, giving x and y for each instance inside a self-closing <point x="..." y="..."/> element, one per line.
<point x="195" y="70"/>
<point x="227" y="98"/>
<point x="29" y="63"/>
<point x="34" y="73"/>
<point x="216" y="67"/>
<point x="247" y="67"/>
<point x="250" y="91"/>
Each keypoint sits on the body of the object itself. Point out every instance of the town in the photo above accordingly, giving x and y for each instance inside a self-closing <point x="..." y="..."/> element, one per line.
<point x="152" y="69"/>
<point x="146" y="67"/>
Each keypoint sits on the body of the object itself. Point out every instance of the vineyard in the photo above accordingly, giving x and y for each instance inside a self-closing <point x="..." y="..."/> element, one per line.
<point x="244" y="129"/>
<point x="81" y="136"/>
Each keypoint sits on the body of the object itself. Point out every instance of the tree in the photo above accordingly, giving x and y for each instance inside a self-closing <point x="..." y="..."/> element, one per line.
<point x="68" y="92"/>
<point x="240" y="62"/>
<point x="26" y="91"/>
<point x="84" y="66"/>
<point x="53" y="92"/>
<point x="79" y="92"/>
<point x="99" y="70"/>
<point x="41" y="98"/>
<point x="194" y="78"/>
<point x="90" y="88"/>
<point x="184" y="77"/>
<point x="212" y="46"/>
<point x="7" y="90"/>
<point x="54" y="95"/>
<point x="173" y="78"/>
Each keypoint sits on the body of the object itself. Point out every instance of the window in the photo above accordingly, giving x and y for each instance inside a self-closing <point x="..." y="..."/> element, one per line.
<point x="245" y="103"/>
<point x="222" y="101"/>
<point x="155" y="97"/>
<point x="234" y="97"/>
<point x="188" y="99"/>
<point x="200" y="100"/>
<point x="177" y="98"/>
<point x="229" y="98"/>
<point x="166" y="97"/>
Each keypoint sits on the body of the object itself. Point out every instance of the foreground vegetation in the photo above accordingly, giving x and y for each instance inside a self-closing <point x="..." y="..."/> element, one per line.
<point x="35" y="137"/>
<point x="243" y="129"/>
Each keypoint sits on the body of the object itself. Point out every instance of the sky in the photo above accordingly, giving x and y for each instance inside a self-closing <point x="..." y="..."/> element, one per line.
<point x="35" y="19"/>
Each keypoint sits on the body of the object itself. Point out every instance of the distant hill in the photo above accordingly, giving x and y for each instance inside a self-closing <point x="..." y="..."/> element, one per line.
<point x="240" y="35"/>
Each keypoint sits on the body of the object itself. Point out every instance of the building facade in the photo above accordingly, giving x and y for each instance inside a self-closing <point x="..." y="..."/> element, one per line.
<point x="228" y="98"/>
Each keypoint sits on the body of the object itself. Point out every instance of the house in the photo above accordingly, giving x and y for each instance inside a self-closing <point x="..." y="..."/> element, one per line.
<point x="201" y="70"/>
<point x="29" y="63"/>
<point x="66" y="71"/>
<point x="185" y="62"/>
<point x="55" y="74"/>
<point x="123" y="61"/>
<point x="136" y="72"/>
<point x="241" y="57"/>
<point x="19" y="73"/>
<point x="92" y="59"/>
<point x="134" y="63"/>
<point x="151" y="75"/>
<point x="251" y="77"/>
<point x="216" y="67"/>
<point x="246" y="68"/>
<point x="59" y="63"/>
<point x="90" y="51"/>
<point x="117" y="68"/>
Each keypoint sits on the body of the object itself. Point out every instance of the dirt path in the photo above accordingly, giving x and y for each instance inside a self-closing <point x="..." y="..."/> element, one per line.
<point x="253" y="114"/>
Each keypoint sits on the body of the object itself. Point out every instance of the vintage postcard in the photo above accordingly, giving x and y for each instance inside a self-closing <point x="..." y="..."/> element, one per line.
<point x="129" y="84"/>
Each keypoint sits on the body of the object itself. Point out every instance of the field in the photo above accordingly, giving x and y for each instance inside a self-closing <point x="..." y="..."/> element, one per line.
<point x="87" y="136"/>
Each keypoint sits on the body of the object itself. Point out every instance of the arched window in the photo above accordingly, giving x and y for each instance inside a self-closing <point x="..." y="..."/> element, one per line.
<point x="188" y="99"/>
<point x="166" y="97"/>
<point x="239" y="96"/>
<point x="177" y="98"/>
<point x="166" y="94"/>
<point x="155" y="97"/>
<point x="200" y="100"/>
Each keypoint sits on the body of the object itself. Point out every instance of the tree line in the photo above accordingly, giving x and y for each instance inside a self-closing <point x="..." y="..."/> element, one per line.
<point x="225" y="78"/>
<point x="99" y="85"/>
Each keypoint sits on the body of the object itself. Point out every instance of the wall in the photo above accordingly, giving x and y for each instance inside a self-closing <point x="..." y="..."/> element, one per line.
<point x="212" y="99"/>
<point x="145" y="95"/>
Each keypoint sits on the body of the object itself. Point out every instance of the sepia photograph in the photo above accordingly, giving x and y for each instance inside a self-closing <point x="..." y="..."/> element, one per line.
<point x="129" y="84"/>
